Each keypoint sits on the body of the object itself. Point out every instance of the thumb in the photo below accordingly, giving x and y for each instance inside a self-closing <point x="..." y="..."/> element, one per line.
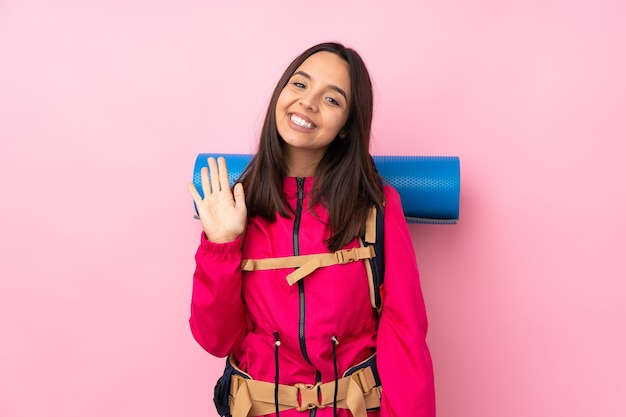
<point x="239" y="195"/>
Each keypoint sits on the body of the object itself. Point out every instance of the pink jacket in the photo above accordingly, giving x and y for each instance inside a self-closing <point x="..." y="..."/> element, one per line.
<point x="242" y="313"/>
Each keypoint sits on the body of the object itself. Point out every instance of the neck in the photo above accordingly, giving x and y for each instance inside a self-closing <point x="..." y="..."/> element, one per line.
<point x="302" y="163"/>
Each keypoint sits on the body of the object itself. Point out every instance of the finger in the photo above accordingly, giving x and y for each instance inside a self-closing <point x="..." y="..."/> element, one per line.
<point x="224" y="181"/>
<point x="204" y="181"/>
<point x="194" y="193"/>
<point x="214" y="175"/>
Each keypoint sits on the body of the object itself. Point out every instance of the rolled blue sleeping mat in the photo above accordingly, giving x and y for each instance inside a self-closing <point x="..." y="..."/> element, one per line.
<point x="429" y="186"/>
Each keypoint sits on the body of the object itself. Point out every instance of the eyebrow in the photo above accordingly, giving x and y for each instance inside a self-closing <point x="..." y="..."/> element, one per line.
<point x="332" y="86"/>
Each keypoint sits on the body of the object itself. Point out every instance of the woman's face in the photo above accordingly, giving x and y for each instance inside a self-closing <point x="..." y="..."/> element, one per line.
<point x="314" y="106"/>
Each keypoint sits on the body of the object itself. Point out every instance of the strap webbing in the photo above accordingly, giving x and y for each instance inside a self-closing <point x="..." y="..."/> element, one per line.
<point x="308" y="263"/>
<point x="357" y="392"/>
<point x="370" y="226"/>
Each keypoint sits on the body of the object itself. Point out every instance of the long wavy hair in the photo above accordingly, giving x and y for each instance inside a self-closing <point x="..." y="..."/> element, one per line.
<point x="346" y="180"/>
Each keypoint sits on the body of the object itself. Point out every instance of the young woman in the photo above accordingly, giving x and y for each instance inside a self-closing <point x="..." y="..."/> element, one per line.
<point x="310" y="344"/>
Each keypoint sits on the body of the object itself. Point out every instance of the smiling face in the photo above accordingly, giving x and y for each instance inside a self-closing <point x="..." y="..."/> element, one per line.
<point x="312" y="109"/>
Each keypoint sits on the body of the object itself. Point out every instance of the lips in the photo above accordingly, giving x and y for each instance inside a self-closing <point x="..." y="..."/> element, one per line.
<point x="301" y="121"/>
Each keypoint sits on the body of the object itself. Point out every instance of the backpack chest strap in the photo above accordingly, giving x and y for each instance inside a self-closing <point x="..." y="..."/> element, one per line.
<point x="306" y="264"/>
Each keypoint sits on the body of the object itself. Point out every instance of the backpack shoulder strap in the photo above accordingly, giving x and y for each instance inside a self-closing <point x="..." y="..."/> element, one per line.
<point x="375" y="236"/>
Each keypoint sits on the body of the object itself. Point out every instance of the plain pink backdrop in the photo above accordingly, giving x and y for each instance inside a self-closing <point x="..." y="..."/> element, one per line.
<point x="105" y="104"/>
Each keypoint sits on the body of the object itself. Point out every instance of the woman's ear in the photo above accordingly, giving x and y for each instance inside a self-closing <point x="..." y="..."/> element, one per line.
<point x="343" y="133"/>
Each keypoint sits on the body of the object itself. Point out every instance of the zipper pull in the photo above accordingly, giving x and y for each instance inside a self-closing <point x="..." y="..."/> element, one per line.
<point x="300" y="182"/>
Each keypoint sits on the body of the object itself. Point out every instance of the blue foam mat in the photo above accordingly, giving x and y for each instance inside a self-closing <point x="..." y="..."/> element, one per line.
<point x="429" y="186"/>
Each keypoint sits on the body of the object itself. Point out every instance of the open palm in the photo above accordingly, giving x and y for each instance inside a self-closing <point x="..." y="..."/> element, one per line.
<point x="222" y="211"/>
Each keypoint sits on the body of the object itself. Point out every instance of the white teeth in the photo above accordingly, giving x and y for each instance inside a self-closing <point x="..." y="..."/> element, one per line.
<point x="300" y="122"/>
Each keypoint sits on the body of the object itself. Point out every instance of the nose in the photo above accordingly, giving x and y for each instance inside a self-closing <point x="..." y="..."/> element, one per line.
<point x="309" y="101"/>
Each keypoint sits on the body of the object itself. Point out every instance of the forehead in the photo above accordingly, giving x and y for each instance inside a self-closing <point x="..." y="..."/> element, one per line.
<point x="327" y="68"/>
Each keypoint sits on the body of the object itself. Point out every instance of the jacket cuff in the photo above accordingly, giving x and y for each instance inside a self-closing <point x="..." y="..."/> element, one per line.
<point x="226" y="248"/>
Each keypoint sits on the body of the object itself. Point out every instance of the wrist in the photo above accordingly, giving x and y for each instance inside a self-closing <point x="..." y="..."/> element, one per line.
<point x="220" y="239"/>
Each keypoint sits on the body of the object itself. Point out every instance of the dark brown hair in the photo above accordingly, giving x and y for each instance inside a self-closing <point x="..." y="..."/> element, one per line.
<point x="346" y="183"/>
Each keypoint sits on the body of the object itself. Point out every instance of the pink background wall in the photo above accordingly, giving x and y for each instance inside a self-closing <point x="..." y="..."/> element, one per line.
<point x="104" y="106"/>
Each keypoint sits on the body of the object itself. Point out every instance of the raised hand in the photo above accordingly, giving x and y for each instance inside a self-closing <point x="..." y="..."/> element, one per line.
<point x="222" y="212"/>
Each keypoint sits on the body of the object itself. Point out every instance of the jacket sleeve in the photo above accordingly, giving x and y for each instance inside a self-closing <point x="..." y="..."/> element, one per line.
<point x="217" y="312"/>
<point x="403" y="359"/>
